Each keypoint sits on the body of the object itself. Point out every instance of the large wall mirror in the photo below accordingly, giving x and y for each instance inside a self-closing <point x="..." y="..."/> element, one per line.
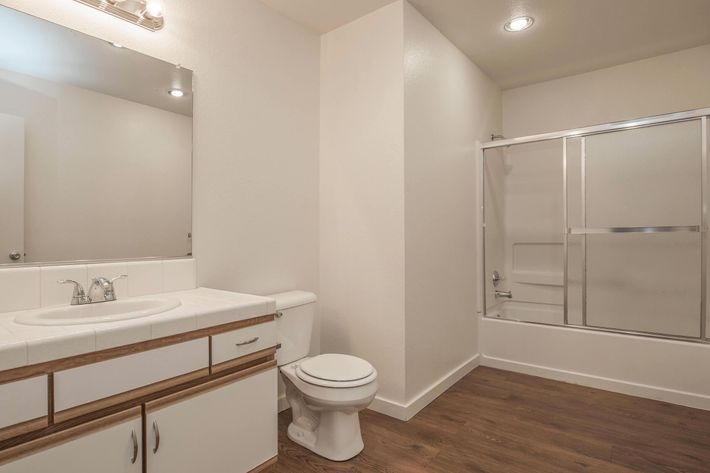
<point x="96" y="147"/>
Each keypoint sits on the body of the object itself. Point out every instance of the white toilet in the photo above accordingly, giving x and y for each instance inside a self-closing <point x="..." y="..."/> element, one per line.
<point x="325" y="392"/>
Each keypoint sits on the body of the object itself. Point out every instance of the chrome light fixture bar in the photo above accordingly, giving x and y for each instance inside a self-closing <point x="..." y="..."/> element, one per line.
<point x="147" y="14"/>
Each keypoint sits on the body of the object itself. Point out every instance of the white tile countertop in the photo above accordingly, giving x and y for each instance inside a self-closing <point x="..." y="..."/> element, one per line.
<point x="22" y="345"/>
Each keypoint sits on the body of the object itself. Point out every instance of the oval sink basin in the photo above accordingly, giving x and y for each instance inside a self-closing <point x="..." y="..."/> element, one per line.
<point x="103" y="312"/>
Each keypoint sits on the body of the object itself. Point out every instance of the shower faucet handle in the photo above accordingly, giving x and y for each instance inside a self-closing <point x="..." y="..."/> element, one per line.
<point x="496" y="278"/>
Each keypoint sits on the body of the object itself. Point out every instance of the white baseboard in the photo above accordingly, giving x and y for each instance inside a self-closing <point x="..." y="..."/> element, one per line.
<point x="407" y="411"/>
<point x="699" y="401"/>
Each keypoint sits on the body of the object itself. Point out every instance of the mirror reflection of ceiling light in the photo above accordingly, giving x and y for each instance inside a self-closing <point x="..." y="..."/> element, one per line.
<point x="519" y="24"/>
<point x="148" y="14"/>
<point x="176" y="93"/>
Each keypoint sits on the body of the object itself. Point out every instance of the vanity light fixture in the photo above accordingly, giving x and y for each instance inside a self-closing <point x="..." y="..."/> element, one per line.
<point x="519" y="23"/>
<point x="176" y="93"/>
<point x="148" y="14"/>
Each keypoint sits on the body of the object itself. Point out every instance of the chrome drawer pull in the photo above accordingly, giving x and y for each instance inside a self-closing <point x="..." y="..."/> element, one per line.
<point x="248" y="342"/>
<point x="134" y="438"/>
<point x="157" y="437"/>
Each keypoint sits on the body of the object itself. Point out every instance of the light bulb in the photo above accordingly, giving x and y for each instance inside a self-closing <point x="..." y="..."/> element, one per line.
<point x="519" y="24"/>
<point x="176" y="93"/>
<point x="155" y="8"/>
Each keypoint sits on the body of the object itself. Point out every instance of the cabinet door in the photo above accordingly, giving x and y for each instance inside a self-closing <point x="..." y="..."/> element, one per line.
<point x="230" y="428"/>
<point x="111" y="449"/>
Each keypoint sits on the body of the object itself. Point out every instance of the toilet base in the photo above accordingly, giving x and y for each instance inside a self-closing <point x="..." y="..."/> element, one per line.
<point x="336" y="436"/>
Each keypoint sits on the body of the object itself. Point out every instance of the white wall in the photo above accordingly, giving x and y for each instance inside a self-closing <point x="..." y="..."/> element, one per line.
<point x="362" y="194"/>
<point x="401" y="110"/>
<point x="256" y="133"/>
<point x="661" y="84"/>
<point x="112" y="167"/>
<point x="658" y="369"/>
<point x="449" y="105"/>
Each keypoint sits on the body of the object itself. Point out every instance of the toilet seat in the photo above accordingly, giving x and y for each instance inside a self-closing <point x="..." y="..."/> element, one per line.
<point x="336" y="371"/>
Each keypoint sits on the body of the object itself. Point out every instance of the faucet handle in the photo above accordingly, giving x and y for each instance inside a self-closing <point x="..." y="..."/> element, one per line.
<point x="122" y="276"/>
<point x="78" y="288"/>
<point x="78" y="296"/>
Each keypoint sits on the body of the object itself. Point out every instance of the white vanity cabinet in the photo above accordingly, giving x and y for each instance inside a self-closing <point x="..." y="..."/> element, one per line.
<point x="227" y="426"/>
<point x="104" y="446"/>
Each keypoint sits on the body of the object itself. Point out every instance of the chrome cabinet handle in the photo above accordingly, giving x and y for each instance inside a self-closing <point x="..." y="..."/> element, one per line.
<point x="15" y="255"/>
<point x="248" y="342"/>
<point x="157" y="437"/>
<point x="279" y="314"/>
<point x="134" y="438"/>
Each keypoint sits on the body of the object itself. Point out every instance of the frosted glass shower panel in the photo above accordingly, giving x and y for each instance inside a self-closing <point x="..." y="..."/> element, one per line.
<point x="644" y="282"/>
<point x="644" y="177"/>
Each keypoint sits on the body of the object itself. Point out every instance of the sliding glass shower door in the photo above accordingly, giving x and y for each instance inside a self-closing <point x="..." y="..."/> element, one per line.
<point x="640" y="214"/>
<point x="604" y="229"/>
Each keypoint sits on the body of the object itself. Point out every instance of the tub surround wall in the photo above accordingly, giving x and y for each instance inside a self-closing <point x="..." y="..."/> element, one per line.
<point x="397" y="163"/>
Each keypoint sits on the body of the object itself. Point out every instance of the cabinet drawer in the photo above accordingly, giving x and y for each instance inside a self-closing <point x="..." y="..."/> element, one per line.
<point x="23" y="401"/>
<point x="230" y="345"/>
<point x="85" y="384"/>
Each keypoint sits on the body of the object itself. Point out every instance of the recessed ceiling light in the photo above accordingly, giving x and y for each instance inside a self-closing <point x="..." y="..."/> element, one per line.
<point x="519" y="24"/>
<point x="115" y="45"/>
<point x="176" y="93"/>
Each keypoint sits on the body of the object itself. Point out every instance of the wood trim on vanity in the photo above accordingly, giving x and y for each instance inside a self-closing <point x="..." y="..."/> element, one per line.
<point x="209" y="385"/>
<point x="23" y="428"/>
<point x="243" y="367"/>
<point x="124" y="397"/>
<point x="237" y="362"/>
<point x="264" y="466"/>
<point x="48" y="367"/>
<point x="27" y="448"/>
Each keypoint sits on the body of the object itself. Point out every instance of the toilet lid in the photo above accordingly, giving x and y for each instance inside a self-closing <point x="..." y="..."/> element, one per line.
<point x="337" y="368"/>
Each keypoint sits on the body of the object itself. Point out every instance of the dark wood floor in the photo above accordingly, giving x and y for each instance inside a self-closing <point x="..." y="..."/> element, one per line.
<point x="503" y="422"/>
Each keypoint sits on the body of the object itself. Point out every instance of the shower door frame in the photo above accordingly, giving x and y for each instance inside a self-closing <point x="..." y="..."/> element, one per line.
<point x="701" y="115"/>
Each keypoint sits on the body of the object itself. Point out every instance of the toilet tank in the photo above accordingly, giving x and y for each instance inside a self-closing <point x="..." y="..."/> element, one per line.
<point x="295" y="314"/>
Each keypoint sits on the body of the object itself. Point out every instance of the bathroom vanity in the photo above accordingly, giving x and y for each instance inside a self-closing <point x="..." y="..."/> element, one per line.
<point x="192" y="388"/>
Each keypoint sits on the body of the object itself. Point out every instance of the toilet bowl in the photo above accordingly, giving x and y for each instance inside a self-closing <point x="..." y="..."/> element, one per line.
<point x="325" y="392"/>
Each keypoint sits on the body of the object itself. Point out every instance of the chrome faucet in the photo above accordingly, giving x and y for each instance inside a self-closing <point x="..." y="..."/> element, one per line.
<point x="78" y="297"/>
<point x="504" y="294"/>
<point x="101" y="290"/>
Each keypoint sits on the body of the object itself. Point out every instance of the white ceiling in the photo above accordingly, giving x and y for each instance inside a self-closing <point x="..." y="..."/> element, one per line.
<point x="569" y="36"/>
<point x="38" y="48"/>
